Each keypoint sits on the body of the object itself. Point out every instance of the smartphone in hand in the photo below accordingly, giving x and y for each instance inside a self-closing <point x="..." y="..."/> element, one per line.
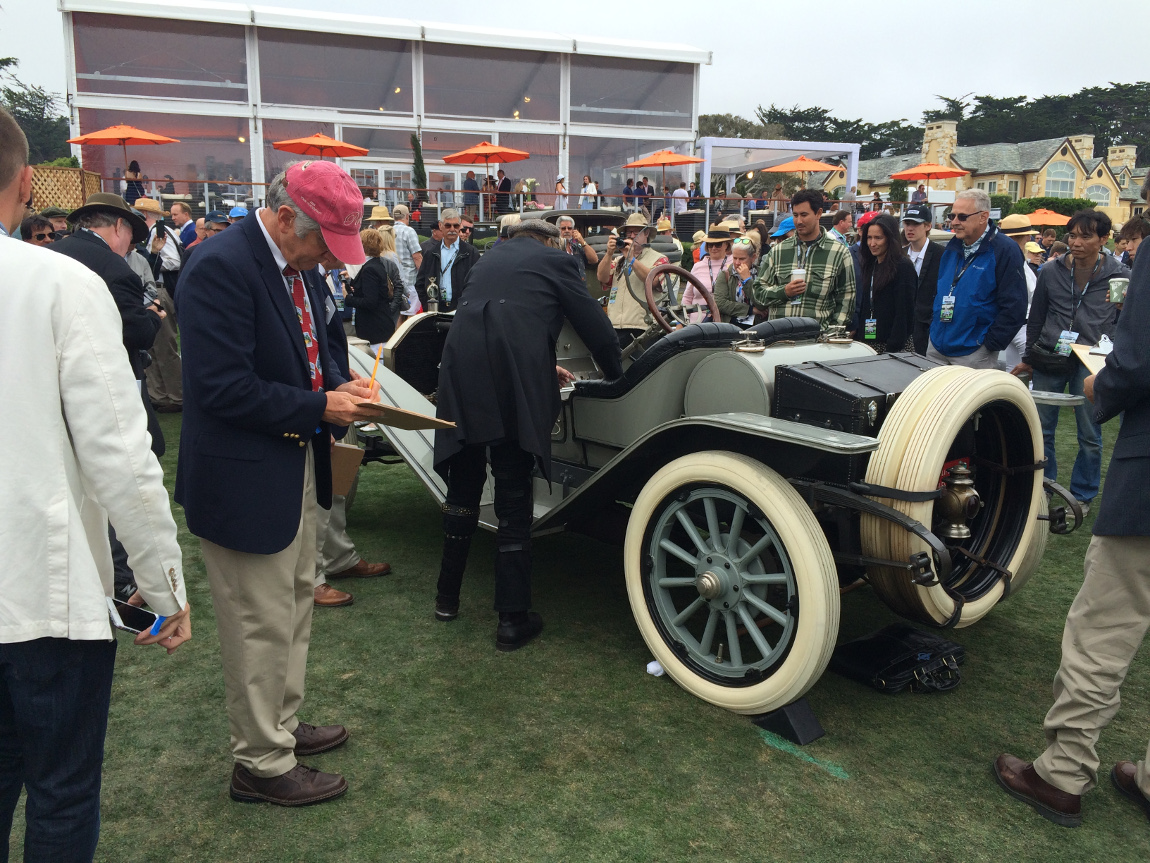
<point x="133" y="619"/>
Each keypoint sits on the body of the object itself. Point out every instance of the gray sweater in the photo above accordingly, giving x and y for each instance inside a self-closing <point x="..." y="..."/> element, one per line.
<point x="1058" y="306"/>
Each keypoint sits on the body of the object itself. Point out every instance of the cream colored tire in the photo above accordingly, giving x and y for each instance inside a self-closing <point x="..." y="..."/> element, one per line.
<point x="914" y="443"/>
<point x="744" y="613"/>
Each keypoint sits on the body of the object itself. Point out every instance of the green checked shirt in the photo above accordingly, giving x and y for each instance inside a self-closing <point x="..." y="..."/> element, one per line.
<point x="830" y="293"/>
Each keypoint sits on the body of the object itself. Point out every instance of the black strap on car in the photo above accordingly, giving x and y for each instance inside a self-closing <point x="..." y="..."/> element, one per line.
<point x="1006" y="574"/>
<point x="896" y="493"/>
<point x="1009" y="471"/>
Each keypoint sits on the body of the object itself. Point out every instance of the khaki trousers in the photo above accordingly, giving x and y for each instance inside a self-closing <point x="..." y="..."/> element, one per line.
<point x="335" y="551"/>
<point x="263" y="605"/>
<point x="983" y="358"/>
<point x="165" y="384"/>
<point x="1104" y="630"/>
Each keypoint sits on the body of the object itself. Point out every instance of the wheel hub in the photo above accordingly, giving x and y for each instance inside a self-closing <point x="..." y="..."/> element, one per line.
<point x="709" y="585"/>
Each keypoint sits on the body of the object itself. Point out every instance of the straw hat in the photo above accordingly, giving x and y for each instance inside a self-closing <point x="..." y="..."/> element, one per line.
<point x="663" y="225"/>
<point x="698" y="237"/>
<point x="719" y="234"/>
<point x="635" y="220"/>
<point x="147" y="205"/>
<point x="379" y="213"/>
<point x="1016" y="225"/>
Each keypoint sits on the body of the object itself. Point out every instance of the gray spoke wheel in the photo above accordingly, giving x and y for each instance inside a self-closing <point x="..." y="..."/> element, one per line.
<point x="731" y="581"/>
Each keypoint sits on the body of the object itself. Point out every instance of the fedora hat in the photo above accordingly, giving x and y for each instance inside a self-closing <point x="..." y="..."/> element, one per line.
<point x="1016" y="225"/>
<point x="380" y="214"/>
<point x="147" y="205"/>
<point x="635" y="220"/>
<point x="106" y="202"/>
<point x="718" y="235"/>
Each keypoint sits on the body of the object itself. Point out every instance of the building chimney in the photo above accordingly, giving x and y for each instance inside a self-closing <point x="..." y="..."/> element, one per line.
<point x="939" y="141"/>
<point x="1122" y="156"/>
<point x="1084" y="146"/>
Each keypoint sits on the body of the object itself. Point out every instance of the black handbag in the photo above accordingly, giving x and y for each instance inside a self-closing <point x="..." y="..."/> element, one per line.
<point x="1048" y="361"/>
<point x="901" y="657"/>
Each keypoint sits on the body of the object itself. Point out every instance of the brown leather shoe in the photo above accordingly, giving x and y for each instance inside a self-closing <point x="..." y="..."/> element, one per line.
<point x="1125" y="779"/>
<point x="300" y="786"/>
<point x="363" y="569"/>
<point x="1018" y="779"/>
<point x="314" y="739"/>
<point x="327" y="596"/>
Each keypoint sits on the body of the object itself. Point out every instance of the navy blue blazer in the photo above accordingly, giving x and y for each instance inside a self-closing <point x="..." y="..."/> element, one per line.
<point x="249" y="409"/>
<point x="1124" y="386"/>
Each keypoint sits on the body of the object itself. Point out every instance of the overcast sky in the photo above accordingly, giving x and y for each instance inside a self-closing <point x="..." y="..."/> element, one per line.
<point x="777" y="50"/>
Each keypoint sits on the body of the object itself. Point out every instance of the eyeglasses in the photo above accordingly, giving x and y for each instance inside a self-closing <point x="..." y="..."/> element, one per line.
<point x="451" y="226"/>
<point x="566" y="227"/>
<point x="962" y="217"/>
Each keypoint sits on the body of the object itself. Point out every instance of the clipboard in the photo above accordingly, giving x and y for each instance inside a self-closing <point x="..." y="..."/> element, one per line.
<point x="1093" y="362"/>
<point x="401" y="419"/>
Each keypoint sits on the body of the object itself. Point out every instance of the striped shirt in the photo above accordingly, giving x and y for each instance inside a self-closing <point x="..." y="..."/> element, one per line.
<point x="830" y="293"/>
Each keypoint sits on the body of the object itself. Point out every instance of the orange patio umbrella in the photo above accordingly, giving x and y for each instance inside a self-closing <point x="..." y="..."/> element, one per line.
<point x="801" y="165"/>
<point x="319" y="145"/>
<point x="122" y="135"/>
<point x="1047" y="217"/>
<point x="928" y="171"/>
<point x="663" y="158"/>
<point x="485" y="153"/>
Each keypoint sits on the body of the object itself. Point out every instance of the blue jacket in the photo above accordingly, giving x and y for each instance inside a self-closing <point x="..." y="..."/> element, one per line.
<point x="989" y="299"/>
<point x="249" y="408"/>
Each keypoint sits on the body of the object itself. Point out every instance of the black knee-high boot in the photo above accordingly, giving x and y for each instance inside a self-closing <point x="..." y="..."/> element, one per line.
<point x="459" y="525"/>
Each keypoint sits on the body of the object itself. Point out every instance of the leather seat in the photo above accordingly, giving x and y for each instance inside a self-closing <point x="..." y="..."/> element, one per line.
<point x="785" y="329"/>
<point x="709" y="335"/>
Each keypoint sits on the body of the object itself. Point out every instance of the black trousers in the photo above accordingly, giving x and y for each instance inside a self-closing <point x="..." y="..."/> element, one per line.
<point x="466" y="476"/>
<point x="54" y="696"/>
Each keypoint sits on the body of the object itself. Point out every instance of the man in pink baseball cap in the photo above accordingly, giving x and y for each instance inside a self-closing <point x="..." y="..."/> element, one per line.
<point x="262" y="393"/>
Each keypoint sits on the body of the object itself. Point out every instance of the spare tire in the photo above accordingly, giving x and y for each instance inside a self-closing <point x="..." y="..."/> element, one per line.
<point x="987" y="420"/>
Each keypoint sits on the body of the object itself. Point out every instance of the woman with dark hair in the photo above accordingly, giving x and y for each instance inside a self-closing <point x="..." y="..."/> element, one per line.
<point x="885" y="316"/>
<point x="135" y="187"/>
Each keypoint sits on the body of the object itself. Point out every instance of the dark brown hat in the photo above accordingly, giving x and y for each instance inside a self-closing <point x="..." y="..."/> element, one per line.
<point x="114" y="205"/>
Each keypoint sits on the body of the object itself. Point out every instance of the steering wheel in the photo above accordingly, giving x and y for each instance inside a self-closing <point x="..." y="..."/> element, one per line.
<point x="649" y="290"/>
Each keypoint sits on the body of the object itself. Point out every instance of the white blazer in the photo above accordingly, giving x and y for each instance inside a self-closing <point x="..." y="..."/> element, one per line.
<point x="74" y="451"/>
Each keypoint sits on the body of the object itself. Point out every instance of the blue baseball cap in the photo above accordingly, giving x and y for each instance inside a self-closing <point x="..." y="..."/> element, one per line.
<point x="237" y="212"/>
<point x="215" y="216"/>
<point x="786" y="225"/>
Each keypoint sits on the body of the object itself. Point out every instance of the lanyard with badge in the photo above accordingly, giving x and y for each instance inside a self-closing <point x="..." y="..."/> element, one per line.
<point x="626" y="274"/>
<point x="444" y="266"/>
<point x="946" y="312"/>
<point x="1069" y="337"/>
<point x="870" y="326"/>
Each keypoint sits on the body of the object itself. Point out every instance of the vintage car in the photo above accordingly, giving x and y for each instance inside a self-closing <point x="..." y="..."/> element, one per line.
<point x="749" y="475"/>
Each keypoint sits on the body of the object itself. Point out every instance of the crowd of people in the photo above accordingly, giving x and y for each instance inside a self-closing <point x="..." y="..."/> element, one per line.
<point x="264" y="302"/>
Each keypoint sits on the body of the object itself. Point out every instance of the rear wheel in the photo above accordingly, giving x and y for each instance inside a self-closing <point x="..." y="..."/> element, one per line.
<point x="985" y="420"/>
<point x="731" y="582"/>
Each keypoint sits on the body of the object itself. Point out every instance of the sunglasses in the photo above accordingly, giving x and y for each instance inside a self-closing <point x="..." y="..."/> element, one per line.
<point x="962" y="217"/>
<point x="466" y="229"/>
<point x="451" y="226"/>
<point x="743" y="241"/>
<point x="41" y="236"/>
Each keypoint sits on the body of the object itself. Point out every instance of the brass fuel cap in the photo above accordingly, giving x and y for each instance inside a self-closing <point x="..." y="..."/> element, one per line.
<point x="959" y="503"/>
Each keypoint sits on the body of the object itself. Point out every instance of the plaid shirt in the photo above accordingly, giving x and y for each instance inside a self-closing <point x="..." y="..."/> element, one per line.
<point x="830" y="293"/>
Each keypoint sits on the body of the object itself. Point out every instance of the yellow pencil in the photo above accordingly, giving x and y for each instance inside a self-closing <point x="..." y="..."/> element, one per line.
<point x="378" y="354"/>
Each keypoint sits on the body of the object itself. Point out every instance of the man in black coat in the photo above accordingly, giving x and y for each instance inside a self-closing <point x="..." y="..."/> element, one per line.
<point x="925" y="254"/>
<point x="1111" y="614"/>
<point x="503" y="199"/>
<point x="499" y="383"/>
<point x="446" y="264"/>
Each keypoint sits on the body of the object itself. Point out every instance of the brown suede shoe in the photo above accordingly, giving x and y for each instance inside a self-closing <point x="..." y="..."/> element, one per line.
<point x="1125" y="779"/>
<point x="327" y="596"/>
<point x="313" y="739"/>
<point x="1020" y="781"/>
<point x="363" y="569"/>
<point x="300" y="786"/>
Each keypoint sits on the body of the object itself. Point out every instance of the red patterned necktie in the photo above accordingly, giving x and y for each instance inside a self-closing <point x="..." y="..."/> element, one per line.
<point x="309" y="339"/>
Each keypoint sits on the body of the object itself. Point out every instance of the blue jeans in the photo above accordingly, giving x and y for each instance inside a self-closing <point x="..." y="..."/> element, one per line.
<point x="54" y="696"/>
<point x="1087" y="474"/>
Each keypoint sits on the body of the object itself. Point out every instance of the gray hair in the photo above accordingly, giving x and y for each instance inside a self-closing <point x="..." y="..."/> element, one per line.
<point x="448" y="213"/>
<point x="278" y="197"/>
<point x="978" y="197"/>
<point x="563" y="219"/>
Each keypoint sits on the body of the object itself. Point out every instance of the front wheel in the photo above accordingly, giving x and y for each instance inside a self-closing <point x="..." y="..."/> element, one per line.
<point x="731" y="582"/>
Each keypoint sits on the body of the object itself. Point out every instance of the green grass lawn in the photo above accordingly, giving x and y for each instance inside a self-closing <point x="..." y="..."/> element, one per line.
<point x="568" y="750"/>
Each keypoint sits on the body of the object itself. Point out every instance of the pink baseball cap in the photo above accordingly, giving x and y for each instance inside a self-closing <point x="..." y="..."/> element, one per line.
<point x="326" y="192"/>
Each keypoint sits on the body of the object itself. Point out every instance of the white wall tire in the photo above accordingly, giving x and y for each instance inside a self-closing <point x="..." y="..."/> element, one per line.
<point x="993" y="410"/>
<point x="772" y="600"/>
